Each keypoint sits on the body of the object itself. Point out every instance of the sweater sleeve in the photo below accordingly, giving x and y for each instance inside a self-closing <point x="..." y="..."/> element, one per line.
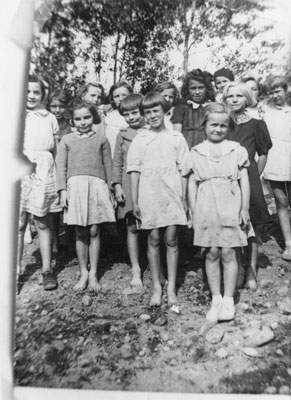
<point x="107" y="160"/>
<point x="62" y="165"/>
<point x="117" y="165"/>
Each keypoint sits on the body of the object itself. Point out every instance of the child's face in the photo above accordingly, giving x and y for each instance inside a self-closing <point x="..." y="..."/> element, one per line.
<point x="253" y="86"/>
<point x="57" y="108"/>
<point x="169" y="95"/>
<point x="155" y="117"/>
<point x="34" y="96"/>
<point x="119" y="94"/>
<point x="93" y="96"/>
<point x="220" y="82"/>
<point x="216" y="127"/>
<point x="197" y="91"/>
<point x="278" y="96"/>
<point x="236" y="100"/>
<point x="83" y="120"/>
<point x="133" y="118"/>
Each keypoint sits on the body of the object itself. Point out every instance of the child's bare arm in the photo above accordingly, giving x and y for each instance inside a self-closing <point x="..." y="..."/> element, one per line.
<point x="245" y="197"/>
<point x="64" y="198"/>
<point x="262" y="160"/>
<point x="192" y="192"/>
<point x="184" y="192"/>
<point x="134" y="179"/>
<point x="119" y="193"/>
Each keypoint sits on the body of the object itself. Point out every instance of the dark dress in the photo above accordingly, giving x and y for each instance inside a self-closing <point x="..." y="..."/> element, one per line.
<point x="254" y="136"/>
<point x="191" y="120"/>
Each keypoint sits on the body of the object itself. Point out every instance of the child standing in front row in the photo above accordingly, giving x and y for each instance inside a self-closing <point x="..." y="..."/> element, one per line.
<point x="83" y="173"/>
<point x="219" y="194"/>
<point x="155" y="161"/>
<point x="129" y="109"/>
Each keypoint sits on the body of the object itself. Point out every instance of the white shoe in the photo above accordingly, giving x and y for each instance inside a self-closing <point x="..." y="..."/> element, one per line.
<point x="213" y="313"/>
<point x="226" y="312"/>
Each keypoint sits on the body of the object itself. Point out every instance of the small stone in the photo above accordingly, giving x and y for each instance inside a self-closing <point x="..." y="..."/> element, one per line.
<point x="142" y="352"/>
<point x="130" y="290"/>
<point x="166" y="348"/>
<point x="215" y="335"/>
<point x="285" y="306"/>
<point x="145" y="317"/>
<point x="173" y="362"/>
<point x="270" y="390"/>
<point x="289" y="371"/>
<point x="87" y="300"/>
<point x="84" y="362"/>
<point x="250" y="351"/>
<point x="164" y="336"/>
<point x="44" y="313"/>
<point x="37" y="307"/>
<point x="261" y="337"/>
<point x="279" y="352"/>
<point x="269" y="268"/>
<point x="161" y="321"/>
<point x="268" y="305"/>
<point x="283" y="291"/>
<point x="274" y="325"/>
<point x="282" y="272"/>
<point x="284" y="389"/>
<point x="265" y="283"/>
<point x="191" y="273"/>
<point x="80" y="341"/>
<point x="171" y="342"/>
<point x="255" y="324"/>
<point x="286" y="282"/>
<point x="222" y="353"/>
<point x="244" y="306"/>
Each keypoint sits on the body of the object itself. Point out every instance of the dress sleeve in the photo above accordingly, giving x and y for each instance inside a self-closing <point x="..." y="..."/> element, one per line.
<point x="242" y="158"/>
<point x="182" y="155"/>
<point x="62" y="165"/>
<point x="189" y="167"/>
<point x="117" y="164"/>
<point x="262" y="138"/>
<point x="134" y="157"/>
<point x="179" y="114"/>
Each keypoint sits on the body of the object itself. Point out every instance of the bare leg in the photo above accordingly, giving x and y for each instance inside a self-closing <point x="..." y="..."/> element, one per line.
<point x="28" y="233"/>
<point x="154" y="262"/>
<point x="133" y="250"/>
<point x="213" y="270"/>
<point x="82" y="246"/>
<point x="281" y="200"/>
<point x="230" y="270"/>
<point x="42" y="225"/>
<point x="23" y="219"/>
<point x="55" y="226"/>
<point x="94" y="252"/>
<point x="252" y="257"/>
<point x="241" y="271"/>
<point x="171" y="242"/>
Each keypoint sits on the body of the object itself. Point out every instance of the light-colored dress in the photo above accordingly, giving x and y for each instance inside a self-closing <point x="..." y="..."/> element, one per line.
<point x="218" y="202"/>
<point x="160" y="159"/>
<point x="114" y="121"/>
<point x="278" y="121"/>
<point x="38" y="190"/>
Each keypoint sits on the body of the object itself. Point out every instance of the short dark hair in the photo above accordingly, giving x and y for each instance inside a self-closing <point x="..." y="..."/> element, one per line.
<point x="36" y="79"/>
<point x="78" y="104"/>
<point x="130" y="102"/>
<point x="153" y="99"/>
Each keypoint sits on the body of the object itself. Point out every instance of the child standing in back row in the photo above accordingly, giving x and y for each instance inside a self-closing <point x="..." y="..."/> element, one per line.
<point x="83" y="173"/>
<point x="219" y="194"/>
<point x="130" y="109"/>
<point x="155" y="161"/>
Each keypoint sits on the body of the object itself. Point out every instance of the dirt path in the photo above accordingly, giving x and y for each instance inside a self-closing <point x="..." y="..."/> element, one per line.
<point x="118" y="343"/>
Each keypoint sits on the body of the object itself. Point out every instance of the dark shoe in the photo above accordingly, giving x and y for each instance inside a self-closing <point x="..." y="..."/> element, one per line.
<point x="49" y="281"/>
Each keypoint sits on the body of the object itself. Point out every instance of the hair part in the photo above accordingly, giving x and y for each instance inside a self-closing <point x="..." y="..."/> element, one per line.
<point x="160" y="87"/>
<point x="153" y="99"/>
<point x="36" y="79"/>
<point x="247" y="93"/>
<point x="130" y="102"/>
<point x="203" y="77"/>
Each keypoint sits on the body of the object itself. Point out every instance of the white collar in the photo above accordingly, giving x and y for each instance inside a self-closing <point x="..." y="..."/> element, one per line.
<point x="195" y="105"/>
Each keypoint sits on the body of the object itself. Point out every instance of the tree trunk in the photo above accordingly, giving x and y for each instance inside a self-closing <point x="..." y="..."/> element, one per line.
<point x="187" y="28"/>
<point x="116" y="57"/>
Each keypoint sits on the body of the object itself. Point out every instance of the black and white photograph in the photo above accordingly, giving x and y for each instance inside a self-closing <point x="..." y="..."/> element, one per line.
<point x="146" y="229"/>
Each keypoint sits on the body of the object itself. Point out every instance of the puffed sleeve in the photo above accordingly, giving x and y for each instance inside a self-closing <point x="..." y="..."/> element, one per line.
<point x="242" y="158"/>
<point x="179" y="114"/>
<point x="182" y="155"/>
<point x="134" y="156"/>
<point x="262" y="138"/>
<point x="117" y="164"/>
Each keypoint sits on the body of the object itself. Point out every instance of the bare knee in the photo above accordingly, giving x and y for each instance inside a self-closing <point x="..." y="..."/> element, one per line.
<point x="81" y="233"/>
<point x="154" y="239"/>
<point x="171" y="240"/>
<point x="132" y="229"/>
<point x="227" y="255"/>
<point x="23" y="219"/>
<point x="42" y="223"/>
<point x="94" y="231"/>
<point x="212" y="254"/>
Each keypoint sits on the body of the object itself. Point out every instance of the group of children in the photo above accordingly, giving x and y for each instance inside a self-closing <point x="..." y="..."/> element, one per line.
<point x="156" y="162"/>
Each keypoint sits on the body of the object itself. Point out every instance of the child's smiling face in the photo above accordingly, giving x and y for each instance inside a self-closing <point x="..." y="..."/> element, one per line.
<point x="155" y="117"/>
<point x="34" y="96"/>
<point x="83" y="120"/>
<point x="216" y="127"/>
<point x="133" y="118"/>
<point x="278" y="96"/>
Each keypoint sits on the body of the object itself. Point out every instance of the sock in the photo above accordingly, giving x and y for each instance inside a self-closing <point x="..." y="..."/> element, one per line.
<point x="216" y="299"/>
<point x="228" y="301"/>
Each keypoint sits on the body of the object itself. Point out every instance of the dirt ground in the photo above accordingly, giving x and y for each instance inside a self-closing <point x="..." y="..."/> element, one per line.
<point x="118" y="343"/>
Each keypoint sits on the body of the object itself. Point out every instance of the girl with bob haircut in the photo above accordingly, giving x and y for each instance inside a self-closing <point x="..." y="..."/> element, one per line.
<point x="155" y="161"/>
<point x="197" y="91"/>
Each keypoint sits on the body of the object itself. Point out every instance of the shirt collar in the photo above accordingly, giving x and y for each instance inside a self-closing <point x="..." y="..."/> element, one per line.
<point x="85" y="135"/>
<point x="195" y="105"/>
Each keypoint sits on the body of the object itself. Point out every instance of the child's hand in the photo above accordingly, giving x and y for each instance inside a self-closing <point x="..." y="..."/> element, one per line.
<point x="245" y="218"/>
<point x="64" y="199"/>
<point x="136" y="212"/>
<point x="119" y="194"/>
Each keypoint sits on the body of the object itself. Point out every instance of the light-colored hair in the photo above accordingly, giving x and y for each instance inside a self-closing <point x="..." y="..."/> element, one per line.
<point x="275" y="81"/>
<point x="247" y="93"/>
<point x="160" y="87"/>
<point x="217" y="108"/>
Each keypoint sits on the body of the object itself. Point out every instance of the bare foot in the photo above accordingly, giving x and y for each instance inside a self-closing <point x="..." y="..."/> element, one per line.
<point x="82" y="283"/>
<point x="156" y="299"/>
<point x="136" y="281"/>
<point x="94" y="285"/>
<point x="172" y="298"/>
